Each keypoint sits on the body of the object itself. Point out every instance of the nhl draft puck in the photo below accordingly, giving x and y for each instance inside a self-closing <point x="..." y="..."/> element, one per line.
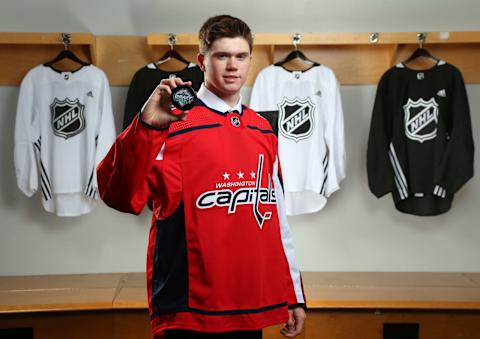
<point x="183" y="97"/>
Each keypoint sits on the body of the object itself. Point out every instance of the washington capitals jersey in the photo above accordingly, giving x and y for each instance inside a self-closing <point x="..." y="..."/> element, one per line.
<point x="306" y="108"/>
<point x="64" y="127"/>
<point x="220" y="254"/>
<point x="420" y="146"/>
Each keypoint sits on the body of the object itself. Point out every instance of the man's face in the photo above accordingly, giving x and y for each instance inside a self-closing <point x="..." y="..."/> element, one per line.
<point x="226" y="66"/>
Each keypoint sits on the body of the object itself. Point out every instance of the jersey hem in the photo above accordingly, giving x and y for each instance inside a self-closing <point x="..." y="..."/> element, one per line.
<point x="196" y="327"/>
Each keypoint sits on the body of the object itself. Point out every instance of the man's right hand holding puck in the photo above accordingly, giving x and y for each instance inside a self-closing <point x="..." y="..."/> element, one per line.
<point x="158" y="110"/>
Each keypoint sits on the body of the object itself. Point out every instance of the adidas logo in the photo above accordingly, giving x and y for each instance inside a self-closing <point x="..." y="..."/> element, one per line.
<point x="442" y="93"/>
<point x="90" y="94"/>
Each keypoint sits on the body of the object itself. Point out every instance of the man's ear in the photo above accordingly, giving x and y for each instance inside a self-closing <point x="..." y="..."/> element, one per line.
<point x="200" y="61"/>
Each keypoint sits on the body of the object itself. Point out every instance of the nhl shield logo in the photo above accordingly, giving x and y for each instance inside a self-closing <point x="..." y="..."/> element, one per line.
<point x="235" y="121"/>
<point x="296" y="118"/>
<point x="421" y="119"/>
<point x="68" y="117"/>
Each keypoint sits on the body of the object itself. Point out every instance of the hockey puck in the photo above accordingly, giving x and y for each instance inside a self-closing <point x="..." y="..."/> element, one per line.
<point x="183" y="97"/>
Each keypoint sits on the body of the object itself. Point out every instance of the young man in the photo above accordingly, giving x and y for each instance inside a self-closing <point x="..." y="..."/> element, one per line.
<point x="220" y="261"/>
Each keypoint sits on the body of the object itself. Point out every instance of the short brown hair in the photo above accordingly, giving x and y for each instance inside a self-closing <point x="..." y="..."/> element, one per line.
<point x="223" y="26"/>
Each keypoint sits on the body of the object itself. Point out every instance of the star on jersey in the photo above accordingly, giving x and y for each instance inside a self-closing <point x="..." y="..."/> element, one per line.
<point x="240" y="175"/>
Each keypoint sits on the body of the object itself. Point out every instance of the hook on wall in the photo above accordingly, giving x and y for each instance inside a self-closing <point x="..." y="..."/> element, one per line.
<point x="65" y="39"/>
<point x="296" y="40"/>
<point x="421" y="37"/>
<point x="374" y="37"/>
<point x="172" y="40"/>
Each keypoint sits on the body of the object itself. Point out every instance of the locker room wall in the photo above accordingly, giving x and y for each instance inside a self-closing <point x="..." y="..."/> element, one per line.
<point x="355" y="231"/>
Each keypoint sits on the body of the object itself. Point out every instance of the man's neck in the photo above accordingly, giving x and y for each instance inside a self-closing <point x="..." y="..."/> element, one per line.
<point x="230" y="100"/>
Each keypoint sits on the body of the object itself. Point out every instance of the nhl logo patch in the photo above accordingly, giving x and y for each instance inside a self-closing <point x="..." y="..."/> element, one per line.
<point x="421" y="119"/>
<point x="296" y="118"/>
<point x="68" y="117"/>
<point x="235" y="121"/>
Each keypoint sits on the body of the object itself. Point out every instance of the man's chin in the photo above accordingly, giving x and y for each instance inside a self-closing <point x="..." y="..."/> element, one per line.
<point x="232" y="88"/>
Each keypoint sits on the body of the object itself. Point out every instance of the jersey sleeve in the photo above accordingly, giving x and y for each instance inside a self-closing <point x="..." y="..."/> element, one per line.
<point x="123" y="174"/>
<point x="296" y="297"/>
<point x="27" y="139"/>
<point x="379" y="170"/>
<point x="335" y="139"/>
<point x="456" y="165"/>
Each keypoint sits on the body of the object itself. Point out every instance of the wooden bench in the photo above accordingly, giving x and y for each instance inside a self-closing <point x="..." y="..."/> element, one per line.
<point x="340" y="305"/>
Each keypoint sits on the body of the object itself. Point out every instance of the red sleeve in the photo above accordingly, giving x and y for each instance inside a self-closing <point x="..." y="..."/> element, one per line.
<point x="122" y="174"/>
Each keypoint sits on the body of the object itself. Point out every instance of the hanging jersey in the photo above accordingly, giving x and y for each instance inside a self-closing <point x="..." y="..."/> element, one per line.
<point x="220" y="254"/>
<point x="147" y="78"/>
<point x="64" y="127"/>
<point x="420" y="146"/>
<point x="305" y="107"/>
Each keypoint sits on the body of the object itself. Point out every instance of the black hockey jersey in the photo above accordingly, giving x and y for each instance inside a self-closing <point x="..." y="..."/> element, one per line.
<point x="147" y="78"/>
<point x="420" y="146"/>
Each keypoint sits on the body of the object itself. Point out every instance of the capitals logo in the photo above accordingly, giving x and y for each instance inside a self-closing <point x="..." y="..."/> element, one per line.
<point x="296" y="118"/>
<point x="421" y="119"/>
<point x="68" y="117"/>
<point x="251" y="193"/>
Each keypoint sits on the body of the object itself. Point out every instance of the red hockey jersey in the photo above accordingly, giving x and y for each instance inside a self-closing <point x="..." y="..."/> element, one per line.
<point x="220" y="253"/>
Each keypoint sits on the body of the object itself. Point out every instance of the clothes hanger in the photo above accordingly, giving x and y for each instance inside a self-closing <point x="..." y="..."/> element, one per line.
<point x="66" y="54"/>
<point x="420" y="51"/>
<point x="172" y="53"/>
<point x="296" y="54"/>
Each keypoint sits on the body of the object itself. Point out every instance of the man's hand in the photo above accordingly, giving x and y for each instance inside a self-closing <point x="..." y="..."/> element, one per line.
<point x="157" y="111"/>
<point x="294" y="325"/>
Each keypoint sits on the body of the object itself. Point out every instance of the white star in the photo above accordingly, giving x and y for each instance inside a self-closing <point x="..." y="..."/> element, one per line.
<point x="226" y="176"/>
<point x="240" y="175"/>
<point x="252" y="174"/>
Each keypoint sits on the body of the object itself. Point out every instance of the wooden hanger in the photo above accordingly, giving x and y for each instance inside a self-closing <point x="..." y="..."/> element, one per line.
<point x="66" y="54"/>
<point x="296" y="54"/>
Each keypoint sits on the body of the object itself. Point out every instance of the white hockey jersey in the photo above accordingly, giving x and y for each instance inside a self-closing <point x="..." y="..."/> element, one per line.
<point x="63" y="129"/>
<point x="306" y="108"/>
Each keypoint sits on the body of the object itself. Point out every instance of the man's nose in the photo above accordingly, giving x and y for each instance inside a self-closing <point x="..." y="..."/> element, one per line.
<point x="232" y="63"/>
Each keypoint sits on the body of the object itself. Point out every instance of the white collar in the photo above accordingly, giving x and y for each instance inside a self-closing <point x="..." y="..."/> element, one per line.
<point x="211" y="100"/>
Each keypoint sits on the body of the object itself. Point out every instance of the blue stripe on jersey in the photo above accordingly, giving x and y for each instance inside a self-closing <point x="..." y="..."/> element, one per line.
<point x="265" y="131"/>
<point x="194" y="128"/>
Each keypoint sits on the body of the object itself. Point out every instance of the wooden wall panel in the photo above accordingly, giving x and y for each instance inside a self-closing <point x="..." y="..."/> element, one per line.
<point x="354" y="59"/>
<point x="17" y="60"/>
<point x="321" y="324"/>
<point x="121" y="56"/>
<point x="368" y="324"/>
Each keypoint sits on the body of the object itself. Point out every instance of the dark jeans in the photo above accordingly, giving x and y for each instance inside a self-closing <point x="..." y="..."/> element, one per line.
<point x="184" y="334"/>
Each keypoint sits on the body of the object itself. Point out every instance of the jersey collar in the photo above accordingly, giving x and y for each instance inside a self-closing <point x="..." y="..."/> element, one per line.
<point x="213" y="102"/>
